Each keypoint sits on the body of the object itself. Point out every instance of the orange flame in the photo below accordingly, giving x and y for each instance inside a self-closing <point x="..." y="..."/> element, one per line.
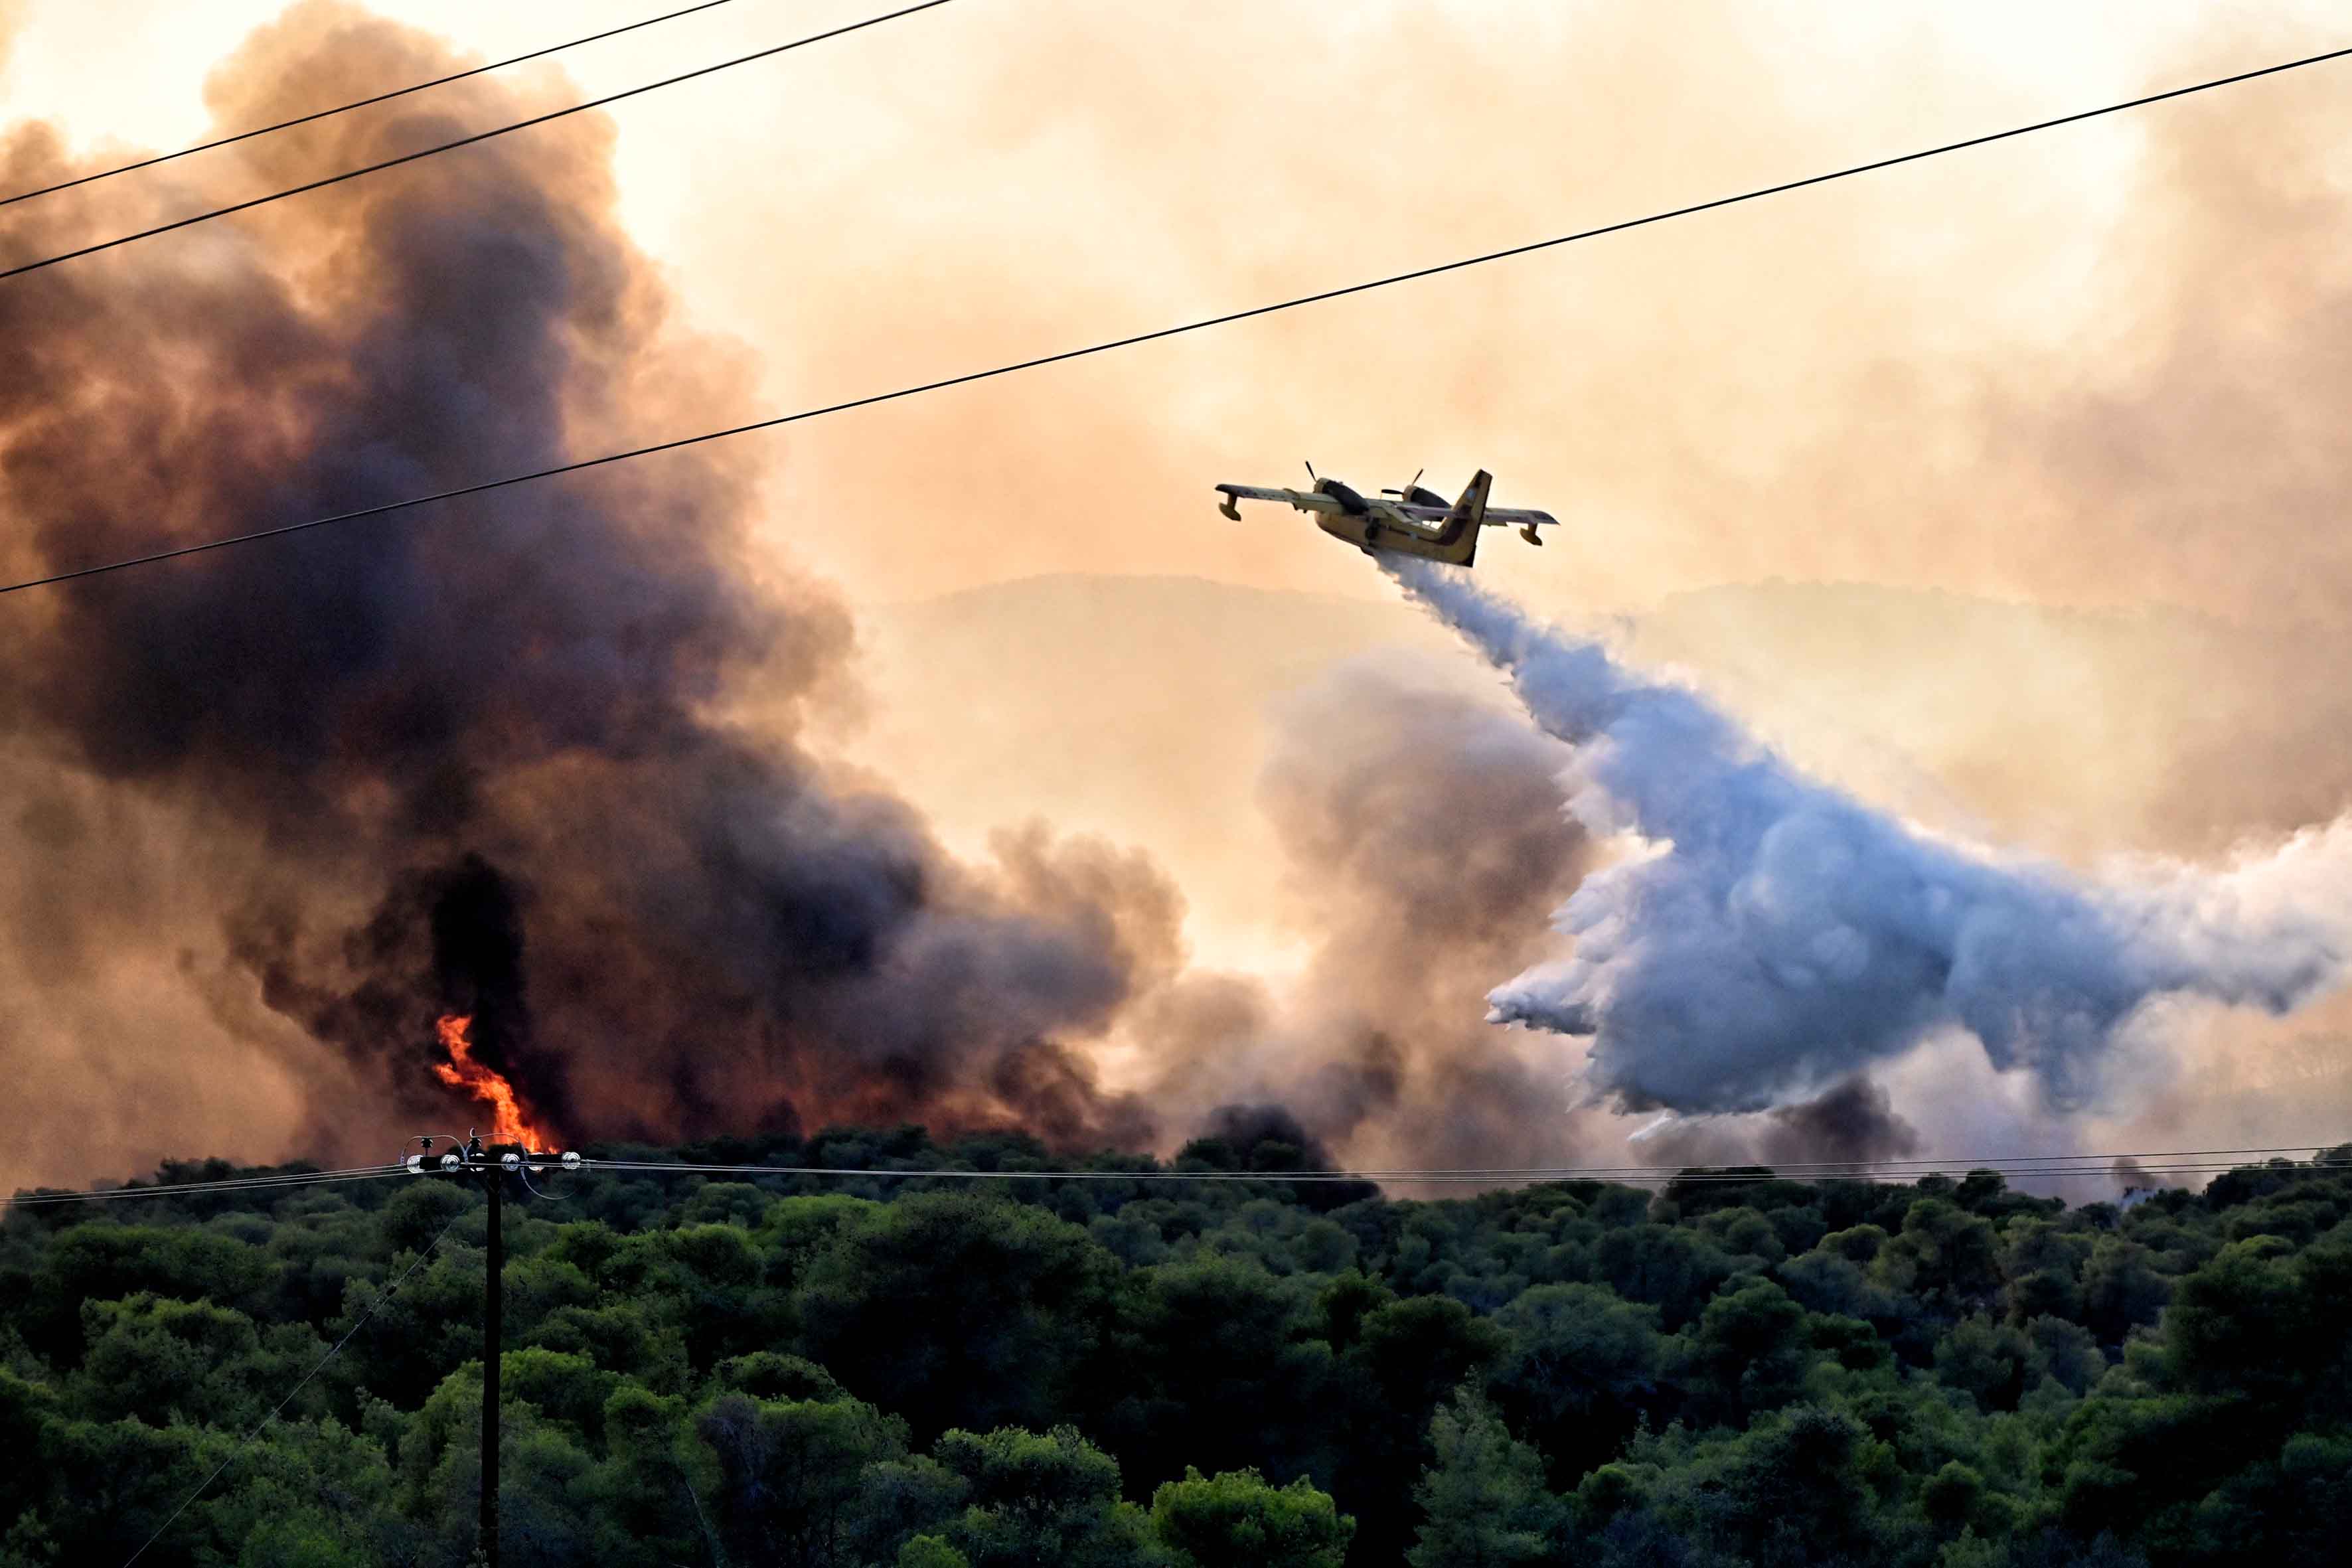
<point x="486" y="1085"/>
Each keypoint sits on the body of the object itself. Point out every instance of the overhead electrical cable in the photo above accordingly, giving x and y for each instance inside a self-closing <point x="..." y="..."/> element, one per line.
<point x="356" y="103"/>
<point x="1660" y="1176"/>
<point x="225" y="1185"/>
<point x="23" y="268"/>
<point x="1908" y="1168"/>
<point x="270" y="1179"/>
<point x="386" y="1294"/>
<point x="1938" y="1161"/>
<point x="2160" y="1163"/>
<point x="1201" y="326"/>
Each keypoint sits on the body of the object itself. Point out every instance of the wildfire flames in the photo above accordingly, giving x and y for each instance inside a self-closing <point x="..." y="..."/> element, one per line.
<point x="486" y="1085"/>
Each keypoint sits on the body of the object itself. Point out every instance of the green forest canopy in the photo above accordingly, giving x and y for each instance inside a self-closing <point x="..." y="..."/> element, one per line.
<point x="875" y="1373"/>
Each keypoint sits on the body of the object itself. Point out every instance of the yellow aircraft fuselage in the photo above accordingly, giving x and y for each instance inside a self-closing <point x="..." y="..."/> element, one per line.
<point x="1417" y="522"/>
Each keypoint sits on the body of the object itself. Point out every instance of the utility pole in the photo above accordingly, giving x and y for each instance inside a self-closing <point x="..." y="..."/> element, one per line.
<point x="491" y="1162"/>
<point x="493" y="1340"/>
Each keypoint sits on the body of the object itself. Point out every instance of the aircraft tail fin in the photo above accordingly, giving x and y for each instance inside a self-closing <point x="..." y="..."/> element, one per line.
<point x="1472" y="507"/>
<point x="1457" y="540"/>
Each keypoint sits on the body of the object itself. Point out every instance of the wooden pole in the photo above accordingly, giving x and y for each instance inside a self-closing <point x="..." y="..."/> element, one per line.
<point x="493" y="1340"/>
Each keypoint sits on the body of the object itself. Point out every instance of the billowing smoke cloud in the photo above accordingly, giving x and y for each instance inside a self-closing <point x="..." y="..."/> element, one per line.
<point x="492" y="757"/>
<point x="1425" y="832"/>
<point x="1423" y="842"/>
<point x="1775" y="935"/>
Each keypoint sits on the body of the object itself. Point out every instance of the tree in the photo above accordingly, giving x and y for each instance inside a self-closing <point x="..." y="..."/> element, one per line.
<point x="1217" y="1370"/>
<point x="1673" y="1270"/>
<point x="164" y="1360"/>
<point x="1578" y="1368"/>
<point x="957" y="1310"/>
<point x="2248" y="1323"/>
<point x="1793" y="1496"/>
<point x="641" y="1499"/>
<point x="2044" y="1261"/>
<point x="1483" y="1497"/>
<point x="1750" y="1352"/>
<point x="1985" y="1359"/>
<point x="2121" y="1288"/>
<point x="1409" y="1357"/>
<point x="26" y="1411"/>
<point x="1047" y="1500"/>
<point x="1944" y="1253"/>
<point x="789" y="1475"/>
<point x="930" y="1551"/>
<point x="1236" y="1519"/>
<point x="100" y="1262"/>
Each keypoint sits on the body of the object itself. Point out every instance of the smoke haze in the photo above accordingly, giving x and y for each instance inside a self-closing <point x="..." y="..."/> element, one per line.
<point x="537" y="758"/>
<point x="483" y="760"/>
<point x="303" y="800"/>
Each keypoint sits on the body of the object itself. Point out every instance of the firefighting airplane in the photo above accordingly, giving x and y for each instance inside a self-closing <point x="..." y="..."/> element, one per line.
<point x="1418" y="522"/>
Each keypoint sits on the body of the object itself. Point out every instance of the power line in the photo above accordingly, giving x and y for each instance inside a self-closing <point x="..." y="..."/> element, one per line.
<point x="387" y="1294"/>
<point x="37" y="1199"/>
<point x="357" y="103"/>
<point x="2158" y="1162"/>
<point x="2192" y="1162"/>
<point x="1201" y="325"/>
<point x="1739" y="1176"/>
<point x="19" y="271"/>
<point x="2152" y="1163"/>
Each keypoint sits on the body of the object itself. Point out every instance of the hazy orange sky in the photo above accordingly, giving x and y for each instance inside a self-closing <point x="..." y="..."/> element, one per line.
<point x="1001" y="177"/>
<point x="2072" y="401"/>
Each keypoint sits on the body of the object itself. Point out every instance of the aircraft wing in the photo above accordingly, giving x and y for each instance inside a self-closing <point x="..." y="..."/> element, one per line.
<point x="1496" y="515"/>
<point x="1305" y="500"/>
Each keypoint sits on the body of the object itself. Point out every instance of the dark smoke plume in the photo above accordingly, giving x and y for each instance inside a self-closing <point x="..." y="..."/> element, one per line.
<point x="1855" y="1122"/>
<point x="1424" y="842"/>
<point x="486" y="757"/>
<point x="1269" y="1139"/>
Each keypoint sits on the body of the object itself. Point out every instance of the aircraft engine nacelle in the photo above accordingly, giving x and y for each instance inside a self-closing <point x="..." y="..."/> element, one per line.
<point x="1350" y="503"/>
<point x="1226" y="506"/>
<point x="1528" y="531"/>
